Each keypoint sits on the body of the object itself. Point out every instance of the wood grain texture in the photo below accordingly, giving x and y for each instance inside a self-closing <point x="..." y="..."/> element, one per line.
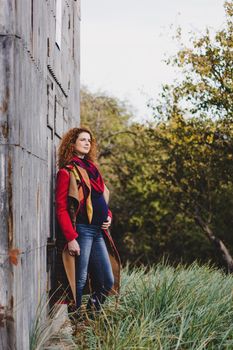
<point x="39" y="101"/>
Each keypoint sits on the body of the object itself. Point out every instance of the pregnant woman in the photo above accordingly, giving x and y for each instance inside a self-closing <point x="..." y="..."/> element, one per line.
<point x="87" y="259"/>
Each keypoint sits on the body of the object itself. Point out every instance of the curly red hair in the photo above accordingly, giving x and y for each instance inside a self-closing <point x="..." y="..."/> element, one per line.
<point x="66" y="146"/>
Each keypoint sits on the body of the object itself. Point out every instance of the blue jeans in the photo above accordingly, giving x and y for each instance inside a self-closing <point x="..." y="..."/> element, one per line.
<point x="93" y="256"/>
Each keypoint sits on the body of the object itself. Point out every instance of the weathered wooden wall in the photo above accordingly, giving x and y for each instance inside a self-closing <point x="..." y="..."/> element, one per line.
<point x="39" y="100"/>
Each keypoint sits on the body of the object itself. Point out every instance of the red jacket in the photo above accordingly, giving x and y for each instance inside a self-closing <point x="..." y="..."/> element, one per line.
<point x="63" y="217"/>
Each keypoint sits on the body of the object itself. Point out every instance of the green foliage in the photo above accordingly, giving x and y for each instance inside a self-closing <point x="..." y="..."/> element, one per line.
<point x="207" y="71"/>
<point x="166" y="174"/>
<point x="166" y="308"/>
<point x="106" y="116"/>
<point x="172" y="172"/>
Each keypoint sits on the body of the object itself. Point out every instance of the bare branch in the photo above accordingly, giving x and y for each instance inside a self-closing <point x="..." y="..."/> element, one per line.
<point x="219" y="245"/>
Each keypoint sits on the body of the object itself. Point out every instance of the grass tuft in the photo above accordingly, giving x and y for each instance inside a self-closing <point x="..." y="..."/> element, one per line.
<point x="166" y="308"/>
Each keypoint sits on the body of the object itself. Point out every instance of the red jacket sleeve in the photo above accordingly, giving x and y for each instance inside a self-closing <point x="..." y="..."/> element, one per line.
<point x="109" y="213"/>
<point x="62" y="187"/>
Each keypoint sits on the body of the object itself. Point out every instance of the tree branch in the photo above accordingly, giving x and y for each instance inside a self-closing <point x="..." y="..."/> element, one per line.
<point x="219" y="245"/>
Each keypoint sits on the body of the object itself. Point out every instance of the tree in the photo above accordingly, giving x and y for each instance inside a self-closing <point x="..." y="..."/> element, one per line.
<point x="175" y="184"/>
<point x="206" y="87"/>
<point x="171" y="180"/>
<point x="187" y="183"/>
<point x="107" y="117"/>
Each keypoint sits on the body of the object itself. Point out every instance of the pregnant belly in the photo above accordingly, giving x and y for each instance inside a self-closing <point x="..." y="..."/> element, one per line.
<point x="100" y="209"/>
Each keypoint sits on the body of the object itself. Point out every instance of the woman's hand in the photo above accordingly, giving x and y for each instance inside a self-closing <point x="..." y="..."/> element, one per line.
<point x="73" y="247"/>
<point x="106" y="223"/>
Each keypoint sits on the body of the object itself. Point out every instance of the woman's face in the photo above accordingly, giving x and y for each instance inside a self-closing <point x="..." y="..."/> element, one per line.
<point x="82" y="145"/>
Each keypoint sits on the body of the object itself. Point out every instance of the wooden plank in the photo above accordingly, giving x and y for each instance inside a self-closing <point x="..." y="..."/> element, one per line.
<point x="30" y="87"/>
<point x="6" y="298"/>
<point x="9" y="125"/>
<point x="29" y="134"/>
<point x="31" y="222"/>
<point x="50" y="103"/>
<point x="58" y="117"/>
<point x="7" y="16"/>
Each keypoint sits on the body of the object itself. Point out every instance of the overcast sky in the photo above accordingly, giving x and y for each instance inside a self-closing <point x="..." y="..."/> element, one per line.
<point x="124" y="42"/>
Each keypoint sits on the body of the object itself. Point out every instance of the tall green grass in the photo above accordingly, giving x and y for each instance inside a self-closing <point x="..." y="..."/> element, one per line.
<point x="166" y="308"/>
<point x="45" y="324"/>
